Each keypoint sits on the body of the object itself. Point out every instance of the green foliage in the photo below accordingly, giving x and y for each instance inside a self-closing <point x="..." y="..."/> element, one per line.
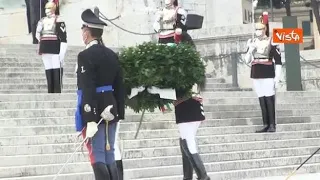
<point x="162" y="66"/>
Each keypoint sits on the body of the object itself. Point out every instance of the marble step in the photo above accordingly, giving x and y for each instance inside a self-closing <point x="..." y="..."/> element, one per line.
<point x="69" y="130"/>
<point x="71" y="84"/>
<point x="299" y="175"/>
<point x="68" y="78"/>
<point x="230" y="175"/>
<point x="206" y="95"/>
<point x="59" y="158"/>
<point x="160" y="171"/>
<point x="30" y="47"/>
<point x="248" y="173"/>
<point x="254" y="100"/>
<point x="33" y="64"/>
<point x="227" y="89"/>
<point x="283" y="94"/>
<point x="32" y="86"/>
<point x="17" y="92"/>
<point x="164" y="150"/>
<point x="165" y="142"/>
<point x="165" y="123"/>
<point x="207" y="107"/>
<point x="41" y="80"/>
<point x="69" y="58"/>
<point x="61" y="112"/>
<point x="38" y="72"/>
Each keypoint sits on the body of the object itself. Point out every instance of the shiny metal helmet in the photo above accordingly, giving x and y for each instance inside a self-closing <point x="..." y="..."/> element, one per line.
<point x="260" y="26"/>
<point x="51" y="5"/>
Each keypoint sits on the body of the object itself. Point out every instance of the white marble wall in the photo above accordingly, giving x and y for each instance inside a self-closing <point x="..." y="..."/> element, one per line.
<point x="136" y="15"/>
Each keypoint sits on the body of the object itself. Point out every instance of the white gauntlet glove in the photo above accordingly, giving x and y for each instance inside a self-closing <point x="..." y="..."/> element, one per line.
<point x="278" y="70"/>
<point x="92" y="129"/>
<point x="251" y="48"/>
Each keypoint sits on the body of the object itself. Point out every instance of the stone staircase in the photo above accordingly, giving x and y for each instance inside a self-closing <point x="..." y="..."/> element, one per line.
<point x="37" y="130"/>
<point x="23" y="72"/>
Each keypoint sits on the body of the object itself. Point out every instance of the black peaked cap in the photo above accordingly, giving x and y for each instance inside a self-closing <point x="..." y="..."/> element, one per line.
<point x="91" y="20"/>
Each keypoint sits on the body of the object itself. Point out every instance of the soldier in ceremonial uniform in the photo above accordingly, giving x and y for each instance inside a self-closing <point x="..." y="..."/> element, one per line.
<point x="189" y="114"/>
<point x="52" y="34"/>
<point x="265" y="59"/>
<point x="100" y="88"/>
<point x="170" y="22"/>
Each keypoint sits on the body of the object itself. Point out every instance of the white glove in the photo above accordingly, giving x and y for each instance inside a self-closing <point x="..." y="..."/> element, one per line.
<point x="156" y="24"/>
<point x="249" y="55"/>
<point x="251" y="45"/>
<point x="39" y="29"/>
<point x="276" y="82"/>
<point x="63" y="50"/>
<point x="92" y="129"/>
<point x="278" y="70"/>
<point x="106" y="114"/>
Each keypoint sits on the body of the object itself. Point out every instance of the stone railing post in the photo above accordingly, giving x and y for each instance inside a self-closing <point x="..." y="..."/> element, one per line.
<point x="234" y="68"/>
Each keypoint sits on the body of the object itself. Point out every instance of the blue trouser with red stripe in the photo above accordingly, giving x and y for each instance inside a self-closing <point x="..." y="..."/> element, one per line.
<point x="97" y="145"/>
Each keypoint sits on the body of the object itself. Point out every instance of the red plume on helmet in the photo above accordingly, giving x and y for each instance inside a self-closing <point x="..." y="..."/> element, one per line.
<point x="58" y="8"/>
<point x="265" y="20"/>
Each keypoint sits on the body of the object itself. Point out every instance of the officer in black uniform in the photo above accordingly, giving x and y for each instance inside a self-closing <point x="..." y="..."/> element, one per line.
<point x="100" y="87"/>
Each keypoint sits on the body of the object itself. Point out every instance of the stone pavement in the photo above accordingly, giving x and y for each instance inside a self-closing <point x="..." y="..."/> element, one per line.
<point x="37" y="132"/>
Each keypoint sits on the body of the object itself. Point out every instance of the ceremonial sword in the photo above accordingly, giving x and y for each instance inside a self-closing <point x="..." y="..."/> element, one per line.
<point x="295" y="171"/>
<point x="75" y="151"/>
<point x="105" y="116"/>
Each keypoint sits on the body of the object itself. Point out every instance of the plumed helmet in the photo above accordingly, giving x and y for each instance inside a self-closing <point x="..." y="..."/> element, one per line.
<point x="264" y="18"/>
<point x="260" y="26"/>
<point x="168" y="2"/>
<point x="51" y="5"/>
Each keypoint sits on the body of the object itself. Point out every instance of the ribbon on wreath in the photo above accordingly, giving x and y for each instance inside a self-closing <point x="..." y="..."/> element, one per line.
<point x="166" y="93"/>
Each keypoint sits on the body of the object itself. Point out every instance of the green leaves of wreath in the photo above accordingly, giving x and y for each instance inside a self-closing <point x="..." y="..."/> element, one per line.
<point x="162" y="66"/>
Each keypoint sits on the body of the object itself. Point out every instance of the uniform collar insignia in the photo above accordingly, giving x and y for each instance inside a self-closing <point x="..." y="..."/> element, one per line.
<point x="91" y="43"/>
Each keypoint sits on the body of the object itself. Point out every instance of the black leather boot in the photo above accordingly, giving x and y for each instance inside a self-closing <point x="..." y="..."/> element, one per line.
<point x="196" y="162"/>
<point x="49" y="76"/>
<point x="57" y="80"/>
<point x="101" y="171"/>
<point x="265" y="117"/>
<point x="272" y="113"/>
<point x="186" y="164"/>
<point x="113" y="170"/>
<point x="120" y="169"/>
